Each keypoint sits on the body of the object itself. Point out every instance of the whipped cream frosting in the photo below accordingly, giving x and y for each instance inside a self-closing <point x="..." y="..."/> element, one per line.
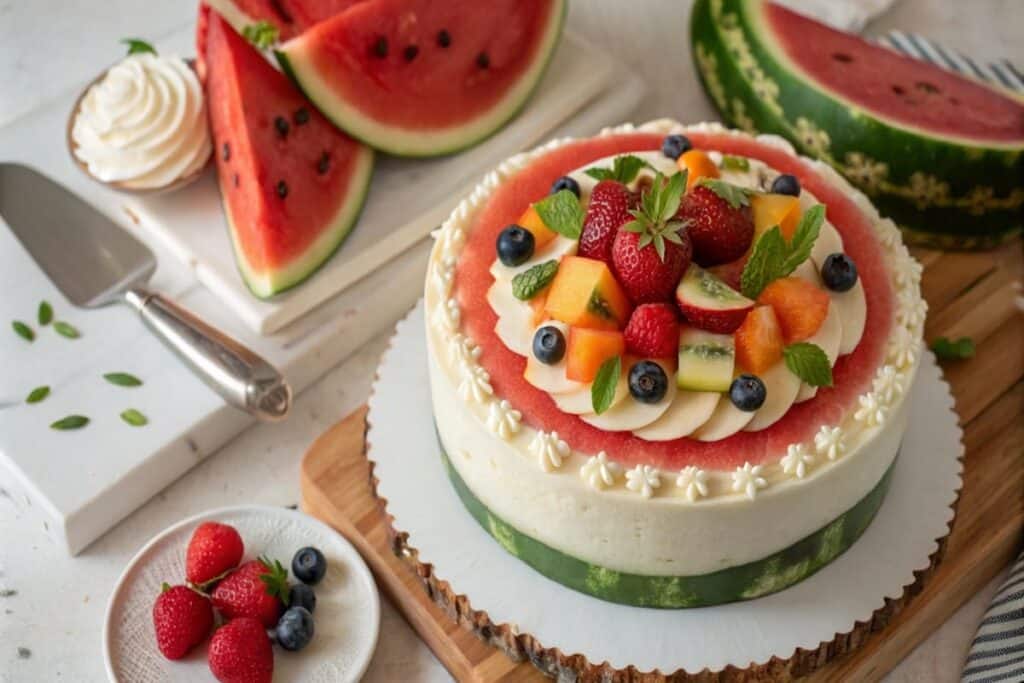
<point x="143" y="125"/>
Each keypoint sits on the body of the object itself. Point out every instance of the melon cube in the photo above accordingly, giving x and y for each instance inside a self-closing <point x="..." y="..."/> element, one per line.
<point x="698" y="165"/>
<point x="800" y="306"/>
<point x="775" y="209"/>
<point x="584" y="293"/>
<point x="588" y="349"/>
<point x="759" y="341"/>
<point x="532" y="221"/>
<point x="706" y="360"/>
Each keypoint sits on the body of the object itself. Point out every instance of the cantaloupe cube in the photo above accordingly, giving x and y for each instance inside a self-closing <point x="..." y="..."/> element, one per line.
<point x="770" y="210"/>
<point x="759" y="340"/>
<point x="588" y="349"/>
<point x="698" y="165"/>
<point x="800" y="306"/>
<point x="542" y="234"/>
<point x="585" y="294"/>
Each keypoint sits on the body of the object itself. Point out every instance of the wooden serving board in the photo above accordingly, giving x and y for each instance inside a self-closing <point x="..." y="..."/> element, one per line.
<point x="969" y="294"/>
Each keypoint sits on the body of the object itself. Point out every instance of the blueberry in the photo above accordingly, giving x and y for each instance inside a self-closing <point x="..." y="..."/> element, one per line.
<point x="647" y="382"/>
<point x="294" y="628"/>
<point x="302" y="595"/>
<point x="549" y="345"/>
<point x="515" y="245"/>
<point x="786" y="184"/>
<point x="674" y="146"/>
<point x="839" y="272"/>
<point x="566" y="183"/>
<point x="747" y="393"/>
<point x="309" y="565"/>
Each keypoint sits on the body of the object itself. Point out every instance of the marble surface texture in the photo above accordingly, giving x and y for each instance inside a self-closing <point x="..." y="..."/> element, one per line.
<point x="51" y="606"/>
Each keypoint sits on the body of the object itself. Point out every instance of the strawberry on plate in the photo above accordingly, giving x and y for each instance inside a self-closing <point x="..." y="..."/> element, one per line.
<point x="610" y="203"/>
<point x="214" y="549"/>
<point x="240" y="652"/>
<point x="721" y="225"/>
<point x="182" y="618"/>
<point x="652" y="251"/>
<point x="653" y="331"/>
<point x="257" y="589"/>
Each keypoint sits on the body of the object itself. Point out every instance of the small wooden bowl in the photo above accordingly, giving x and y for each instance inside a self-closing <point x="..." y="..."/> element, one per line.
<point x="120" y="186"/>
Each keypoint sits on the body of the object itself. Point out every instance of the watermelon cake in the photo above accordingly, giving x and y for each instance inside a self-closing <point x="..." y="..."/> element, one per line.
<point x="669" y="364"/>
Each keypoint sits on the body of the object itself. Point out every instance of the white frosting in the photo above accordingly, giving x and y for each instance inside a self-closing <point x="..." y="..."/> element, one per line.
<point x="796" y="460"/>
<point x="143" y="125"/>
<point x="694" y="482"/>
<point x="829" y="442"/>
<point x="643" y="479"/>
<point x="503" y="419"/>
<point x="549" y="450"/>
<point x="748" y="480"/>
<point x="600" y="472"/>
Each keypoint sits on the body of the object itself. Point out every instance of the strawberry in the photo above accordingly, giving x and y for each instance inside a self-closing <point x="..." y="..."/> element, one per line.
<point x="721" y="227"/>
<point x="653" y="331"/>
<point x="240" y="652"/>
<point x="609" y="207"/>
<point x="257" y="589"/>
<point x="214" y="549"/>
<point x="182" y="618"/>
<point x="651" y="252"/>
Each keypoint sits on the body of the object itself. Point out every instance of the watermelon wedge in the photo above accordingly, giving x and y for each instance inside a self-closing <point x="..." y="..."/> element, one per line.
<point x="940" y="154"/>
<point x="292" y="184"/>
<point x="289" y="17"/>
<point x="422" y="78"/>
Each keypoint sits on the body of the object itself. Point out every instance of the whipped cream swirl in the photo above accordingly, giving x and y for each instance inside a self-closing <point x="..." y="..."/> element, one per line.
<point x="143" y="125"/>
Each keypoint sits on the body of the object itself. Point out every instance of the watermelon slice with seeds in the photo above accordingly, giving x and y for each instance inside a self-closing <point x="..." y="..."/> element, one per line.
<point x="422" y="78"/>
<point x="292" y="183"/>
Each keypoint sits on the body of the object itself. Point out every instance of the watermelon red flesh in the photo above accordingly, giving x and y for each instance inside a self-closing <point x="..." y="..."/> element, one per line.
<point x="442" y="98"/>
<point x="852" y="374"/>
<point x="322" y="173"/>
<point x="895" y="86"/>
<point x="289" y="17"/>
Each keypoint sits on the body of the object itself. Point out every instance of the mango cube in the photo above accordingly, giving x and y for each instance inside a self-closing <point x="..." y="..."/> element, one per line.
<point x="586" y="294"/>
<point x="588" y="349"/>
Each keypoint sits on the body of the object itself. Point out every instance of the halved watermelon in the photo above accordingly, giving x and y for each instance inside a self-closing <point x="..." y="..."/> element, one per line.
<point x="289" y="17"/>
<point x="941" y="154"/>
<point x="422" y="78"/>
<point x="292" y="183"/>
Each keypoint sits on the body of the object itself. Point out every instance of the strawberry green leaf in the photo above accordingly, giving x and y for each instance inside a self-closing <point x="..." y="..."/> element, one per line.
<point x="529" y="283"/>
<point x="562" y="213"/>
<point x="735" y="195"/>
<point x="602" y="391"/>
<point x="655" y="220"/>
<point x="808" y="362"/>
<point x="624" y="169"/>
<point x="960" y="349"/>
<point x="275" y="579"/>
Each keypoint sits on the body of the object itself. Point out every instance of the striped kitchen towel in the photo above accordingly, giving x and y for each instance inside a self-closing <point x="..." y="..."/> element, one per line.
<point x="997" y="653"/>
<point x="1001" y="72"/>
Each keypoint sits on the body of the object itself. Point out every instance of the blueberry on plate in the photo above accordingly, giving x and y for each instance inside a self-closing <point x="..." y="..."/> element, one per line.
<point x="674" y="146"/>
<point x="839" y="272"/>
<point x="294" y="629"/>
<point x="302" y="595"/>
<point x="647" y="382"/>
<point x="748" y="393"/>
<point x="549" y="345"/>
<point x="309" y="565"/>
<point x="786" y="184"/>
<point x="515" y="245"/>
<point x="566" y="183"/>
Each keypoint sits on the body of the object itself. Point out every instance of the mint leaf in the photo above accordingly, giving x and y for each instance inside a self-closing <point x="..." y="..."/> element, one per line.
<point x="735" y="195"/>
<point x="946" y="349"/>
<point x="134" y="418"/>
<point x="123" y="379"/>
<point x="66" y="330"/>
<point x="602" y="391"/>
<point x="70" y="422"/>
<point x="45" y="315"/>
<point x="530" y="282"/>
<point x="137" y="46"/>
<point x="764" y="264"/>
<point x="803" y="239"/>
<point x="808" y="362"/>
<point x="262" y="34"/>
<point x="562" y="213"/>
<point x="37" y="394"/>
<point x="735" y="163"/>
<point x="23" y="330"/>
<point x="624" y="169"/>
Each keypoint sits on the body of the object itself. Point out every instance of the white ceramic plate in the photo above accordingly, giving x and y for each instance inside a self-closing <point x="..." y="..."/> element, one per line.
<point x="347" y="615"/>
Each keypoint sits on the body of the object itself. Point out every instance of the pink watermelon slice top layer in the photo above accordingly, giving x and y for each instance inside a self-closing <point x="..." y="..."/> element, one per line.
<point x="289" y="17"/>
<point x="852" y="373"/>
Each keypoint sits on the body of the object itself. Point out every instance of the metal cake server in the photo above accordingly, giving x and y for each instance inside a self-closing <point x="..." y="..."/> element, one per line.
<point x="95" y="263"/>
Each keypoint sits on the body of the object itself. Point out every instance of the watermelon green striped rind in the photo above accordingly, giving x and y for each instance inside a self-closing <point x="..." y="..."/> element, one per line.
<point x="744" y="582"/>
<point x="941" y="155"/>
<point x="420" y="78"/>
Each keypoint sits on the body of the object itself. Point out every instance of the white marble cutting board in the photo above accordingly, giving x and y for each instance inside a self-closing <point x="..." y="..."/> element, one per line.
<point x="77" y="485"/>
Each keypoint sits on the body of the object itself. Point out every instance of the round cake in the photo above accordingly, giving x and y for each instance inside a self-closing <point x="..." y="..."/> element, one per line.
<point x="669" y="363"/>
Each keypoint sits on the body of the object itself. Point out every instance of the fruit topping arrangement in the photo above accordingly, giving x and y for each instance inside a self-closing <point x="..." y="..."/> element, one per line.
<point x="654" y="282"/>
<point x="256" y="605"/>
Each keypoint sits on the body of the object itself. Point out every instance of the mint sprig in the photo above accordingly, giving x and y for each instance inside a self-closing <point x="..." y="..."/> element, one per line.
<point x="734" y="195"/>
<point x="562" y="213"/>
<point x="530" y="282"/>
<point x="773" y="257"/>
<point x="602" y="391"/>
<point x="808" y="362"/>
<point x="655" y="220"/>
<point x="262" y="34"/>
<point x="624" y="169"/>
<point x="948" y="349"/>
<point x="137" y="46"/>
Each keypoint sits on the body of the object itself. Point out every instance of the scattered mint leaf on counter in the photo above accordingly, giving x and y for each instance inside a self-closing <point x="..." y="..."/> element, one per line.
<point x="123" y="379"/>
<point x="134" y="418"/>
<point x="735" y="195"/>
<point x="66" y="330"/>
<point x="773" y="257"/>
<point x="602" y="391"/>
<point x="37" y="394"/>
<point x="562" y="213"/>
<point x="23" y="331"/>
<point x="959" y="349"/>
<point x="808" y="362"/>
<point x="733" y="163"/>
<point x="261" y="34"/>
<point x="137" y="46"/>
<point x="624" y="169"/>
<point x="70" y="422"/>
<point x="45" y="315"/>
<point x="530" y="282"/>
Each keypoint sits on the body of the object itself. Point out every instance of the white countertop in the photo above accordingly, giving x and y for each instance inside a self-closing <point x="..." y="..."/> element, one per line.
<point x="51" y="606"/>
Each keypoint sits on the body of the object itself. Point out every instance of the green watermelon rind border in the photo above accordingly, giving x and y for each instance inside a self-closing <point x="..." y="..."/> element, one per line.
<point x="853" y="131"/>
<point x="743" y="582"/>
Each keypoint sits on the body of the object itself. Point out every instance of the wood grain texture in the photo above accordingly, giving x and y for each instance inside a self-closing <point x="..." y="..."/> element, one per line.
<point x="969" y="294"/>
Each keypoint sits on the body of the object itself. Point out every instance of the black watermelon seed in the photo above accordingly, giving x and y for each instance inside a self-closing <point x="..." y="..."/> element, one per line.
<point x="410" y="52"/>
<point x="281" y="124"/>
<point x="282" y="189"/>
<point x="482" y="60"/>
<point x="235" y="180"/>
<point x="444" y="39"/>
<point x="301" y="116"/>
<point x="226" y="153"/>
<point x="380" y="48"/>
<point x="324" y="163"/>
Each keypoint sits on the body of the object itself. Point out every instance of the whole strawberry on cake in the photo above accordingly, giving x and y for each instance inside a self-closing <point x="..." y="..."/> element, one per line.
<point x="669" y="365"/>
